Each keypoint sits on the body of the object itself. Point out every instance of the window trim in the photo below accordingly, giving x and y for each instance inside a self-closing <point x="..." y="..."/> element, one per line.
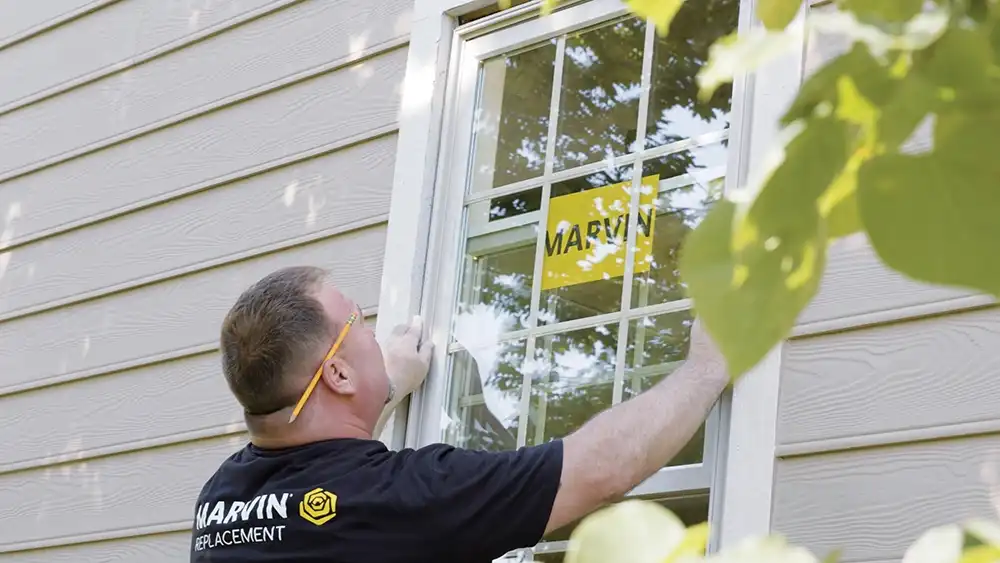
<point x="744" y="467"/>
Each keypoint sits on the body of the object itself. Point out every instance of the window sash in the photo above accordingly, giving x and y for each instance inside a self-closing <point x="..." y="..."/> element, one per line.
<point x="453" y="225"/>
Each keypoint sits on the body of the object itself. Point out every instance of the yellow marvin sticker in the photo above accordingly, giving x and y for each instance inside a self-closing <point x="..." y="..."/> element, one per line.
<point x="318" y="506"/>
<point x="585" y="233"/>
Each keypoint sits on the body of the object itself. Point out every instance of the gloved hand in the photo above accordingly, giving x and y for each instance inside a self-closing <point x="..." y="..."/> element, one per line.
<point x="407" y="356"/>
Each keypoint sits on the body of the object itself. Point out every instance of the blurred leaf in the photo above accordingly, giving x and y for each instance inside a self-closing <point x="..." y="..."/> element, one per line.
<point x="870" y="77"/>
<point x="933" y="217"/>
<point x="503" y="4"/>
<point x="980" y="554"/>
<point x="771" y="549"/>
<point x="636" y="531"/>
<point x="986" y="531"/>
<point x="888" y="10"/>
<point x="751" y="274"/>
<point x="777" y="14"/>
<point x="937" y="545"/>
<point x="548" y="6"/>
<point x="661" y="12"/>
<point x="833" y="556"/>
<point x="693" y="545"/>
<point x="745" y="53"/>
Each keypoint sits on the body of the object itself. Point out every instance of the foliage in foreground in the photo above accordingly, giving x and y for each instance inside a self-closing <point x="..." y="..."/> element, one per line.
<point x="846" y="162"/>
<point x="638" y="531"/>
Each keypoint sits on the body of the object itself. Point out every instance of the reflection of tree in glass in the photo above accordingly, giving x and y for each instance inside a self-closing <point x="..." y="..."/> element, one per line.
<point x="599" y="113"/>
<point x="571" y="401"/>
<point x="599" y="100"/>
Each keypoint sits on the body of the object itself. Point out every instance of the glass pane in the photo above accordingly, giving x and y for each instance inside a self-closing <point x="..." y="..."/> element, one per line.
<point x="512" y="117"/>
<point x="498" y="266"/>
<point x="689" y="181"/>
<point x="576" y="373"/>
<point x="599" y="98"/>
<point x="691" y="509"/>
<point x="675" y="112"/>
<point x="486" y="385"/>
<point x="657" y="346"/>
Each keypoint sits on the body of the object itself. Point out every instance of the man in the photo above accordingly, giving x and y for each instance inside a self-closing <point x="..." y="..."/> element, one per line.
<point x="314" y="485"/>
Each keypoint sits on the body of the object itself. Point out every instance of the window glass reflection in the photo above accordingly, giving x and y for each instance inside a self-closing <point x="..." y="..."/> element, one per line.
<point x="512" y="117"/>
<point x="573" y="382"/>
<point x="599" y="99"/>
<point x="675" y="110"/>
<point x="486" y="394"/>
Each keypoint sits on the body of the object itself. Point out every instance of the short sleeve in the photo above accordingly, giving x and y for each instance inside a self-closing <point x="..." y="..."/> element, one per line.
<point x="478" y="505"/>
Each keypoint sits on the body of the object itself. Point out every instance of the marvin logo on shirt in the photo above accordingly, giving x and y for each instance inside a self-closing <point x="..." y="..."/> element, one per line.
<point x="318" y="506"/>
<point x="262" y="519"/>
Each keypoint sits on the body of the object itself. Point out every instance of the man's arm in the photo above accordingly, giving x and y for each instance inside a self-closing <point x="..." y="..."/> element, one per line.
<point x="623" y="446"/>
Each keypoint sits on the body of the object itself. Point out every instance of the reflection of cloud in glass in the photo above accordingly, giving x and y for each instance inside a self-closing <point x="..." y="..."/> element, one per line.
<point x="478" y="331"/>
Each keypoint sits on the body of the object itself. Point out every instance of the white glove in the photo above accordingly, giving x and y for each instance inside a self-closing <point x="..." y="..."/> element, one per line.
<point x="407" y="357"/>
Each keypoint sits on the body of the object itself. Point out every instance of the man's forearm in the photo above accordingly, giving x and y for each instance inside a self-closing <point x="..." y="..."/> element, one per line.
<point x="626" y="444"/>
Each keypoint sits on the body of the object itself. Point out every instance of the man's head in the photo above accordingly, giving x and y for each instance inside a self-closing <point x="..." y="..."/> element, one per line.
<point x="275" y="338"/>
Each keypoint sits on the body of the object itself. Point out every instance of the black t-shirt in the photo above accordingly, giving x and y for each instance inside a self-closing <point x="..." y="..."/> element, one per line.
<point x="355" y="501"/>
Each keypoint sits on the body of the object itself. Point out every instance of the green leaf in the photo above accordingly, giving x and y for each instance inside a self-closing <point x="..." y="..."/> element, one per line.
<point x="886" y="10"/>
<point x="833" y="556"/>
<point x="692" y="545"/>
<point x="660" y="12"/>
<point x="636" y="531"/>
<point x="839" y="204"/>
<point x="737" y="53"/>
<point x="933" y="217"/>
<point x="777" y="14"/>
<point x="871" y="78"/>
<point x="751" y="274"/>
<point x="548" y="6"/>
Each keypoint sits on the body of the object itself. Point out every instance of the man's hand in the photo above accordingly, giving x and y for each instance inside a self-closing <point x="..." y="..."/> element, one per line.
<point x="407" y="357"/>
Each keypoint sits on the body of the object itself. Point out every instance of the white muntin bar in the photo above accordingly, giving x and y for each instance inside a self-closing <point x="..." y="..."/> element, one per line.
<point x="536" y="277"/>
<point x="633" y="213"/>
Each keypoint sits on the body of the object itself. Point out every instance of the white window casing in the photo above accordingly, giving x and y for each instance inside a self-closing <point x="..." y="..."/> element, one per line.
<point x="428" y="225"/>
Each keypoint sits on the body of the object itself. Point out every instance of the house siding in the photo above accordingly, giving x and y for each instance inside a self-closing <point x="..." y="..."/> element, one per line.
<point x="887" y="414"/>
<point x="155" y="159"/>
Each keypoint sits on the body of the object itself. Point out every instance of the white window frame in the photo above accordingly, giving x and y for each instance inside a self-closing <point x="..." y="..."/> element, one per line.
<point x="419" y="233"/>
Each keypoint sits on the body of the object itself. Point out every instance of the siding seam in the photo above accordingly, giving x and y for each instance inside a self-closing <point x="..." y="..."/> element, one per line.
<point x="205" y="109"/>
<point x="197" y="267"/>
<point x="126" y="447"/>
<point x="145" y="56"/>
<point x="118" y="367"/>
<point x="54" y="22"/>
<point x="891" y="438"/>
<point x="166" y="197"/>
<point x="93" y="537"/>
<point x="889" y="316"/>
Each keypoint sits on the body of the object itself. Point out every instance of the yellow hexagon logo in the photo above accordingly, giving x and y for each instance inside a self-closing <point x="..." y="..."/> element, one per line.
<point x="318" y="506"/>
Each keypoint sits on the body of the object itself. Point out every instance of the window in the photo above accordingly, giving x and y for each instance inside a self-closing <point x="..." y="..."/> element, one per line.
<point x="559" y="282"/>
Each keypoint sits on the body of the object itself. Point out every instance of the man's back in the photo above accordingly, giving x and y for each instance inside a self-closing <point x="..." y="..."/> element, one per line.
<point x="353" y="500"/>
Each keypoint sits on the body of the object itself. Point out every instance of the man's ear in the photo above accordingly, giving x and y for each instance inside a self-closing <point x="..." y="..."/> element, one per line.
<point x="339" y="377"/>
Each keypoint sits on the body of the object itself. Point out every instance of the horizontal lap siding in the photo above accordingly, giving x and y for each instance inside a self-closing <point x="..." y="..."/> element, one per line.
<point x="170" y="547"/>
<point x="873" y="503"/>
<point x="887" y="418"/>
<point x="200" y="146"/>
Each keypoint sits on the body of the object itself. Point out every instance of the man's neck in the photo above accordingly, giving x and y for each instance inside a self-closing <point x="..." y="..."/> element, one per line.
<point x="274" y="432"/>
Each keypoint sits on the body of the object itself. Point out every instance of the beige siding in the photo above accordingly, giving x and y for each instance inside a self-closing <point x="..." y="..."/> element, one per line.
<point x="155" y="159"/>
<point x="887" y="417"/>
